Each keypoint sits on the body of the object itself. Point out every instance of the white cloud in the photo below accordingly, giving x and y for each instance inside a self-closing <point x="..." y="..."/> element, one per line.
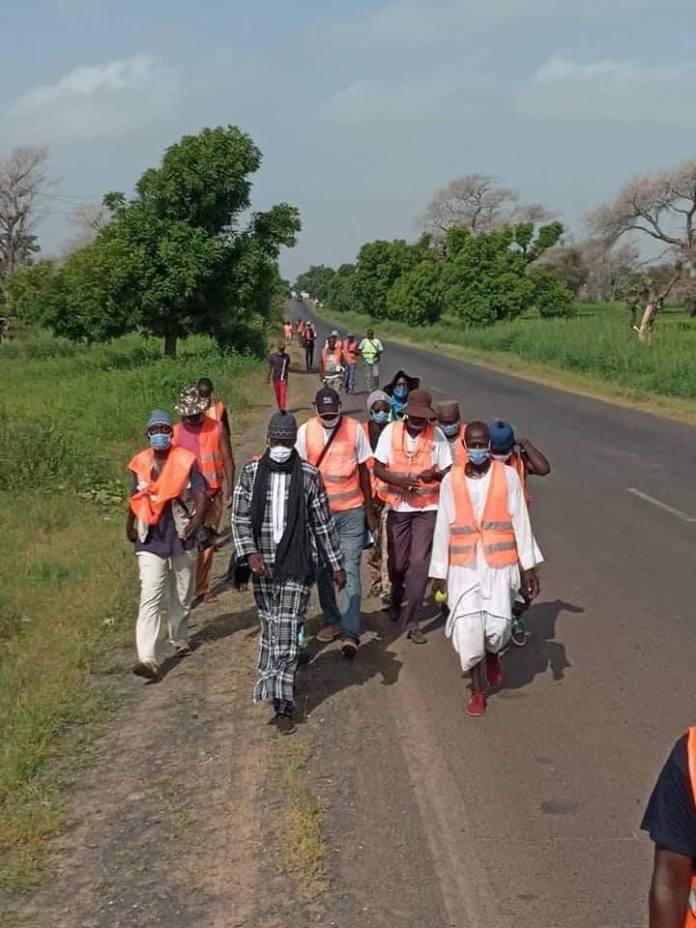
<point x="622" y="92"/>
<point x="96" y="102"/>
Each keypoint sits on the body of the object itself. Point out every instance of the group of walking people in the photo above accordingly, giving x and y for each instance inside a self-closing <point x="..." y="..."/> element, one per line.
<point x="427" y="497"/>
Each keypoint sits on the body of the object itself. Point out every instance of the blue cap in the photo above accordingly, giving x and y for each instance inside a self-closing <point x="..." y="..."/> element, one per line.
<point x="502" y="437"/>
<point x="159" y="417"/>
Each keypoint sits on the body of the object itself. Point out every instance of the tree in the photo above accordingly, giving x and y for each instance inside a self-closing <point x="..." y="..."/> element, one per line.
<point x="416" y="297"/>
<point x="176" y="259"/>
<point x="490" y="277"/>
<point x="22" y="180"/>
<point x="341" y="297"/>
<point x="379" y="266"/>
<point x="476" y="202"/>
<point x="661" y="207"/>
<point x="316" y="281"/>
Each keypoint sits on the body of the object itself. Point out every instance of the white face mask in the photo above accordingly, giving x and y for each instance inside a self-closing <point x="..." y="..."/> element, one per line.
<point x="330" y="423"/>
<point x="280" y="454"/>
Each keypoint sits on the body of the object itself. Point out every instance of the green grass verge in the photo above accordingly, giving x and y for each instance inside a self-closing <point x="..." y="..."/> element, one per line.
<point x="70" y="419"/>
<point x="594" y="353"/>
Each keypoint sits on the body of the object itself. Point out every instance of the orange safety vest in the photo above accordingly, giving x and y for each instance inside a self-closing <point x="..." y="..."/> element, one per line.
<point x="149" y="502"/>
<point x="457" y="447"/>
<point x="210" y="458"/>
<point x="287" y="331"/>
<point x="336" y="354"/>
<point x="350" y="349"/>
<point x="339" y="468"/>
<point x="690" y="920"/>
<point x="494" y="532"/>
<point x="517" y="463"/>
<point x="404" y="464"/>
<point x="215" y="410"/>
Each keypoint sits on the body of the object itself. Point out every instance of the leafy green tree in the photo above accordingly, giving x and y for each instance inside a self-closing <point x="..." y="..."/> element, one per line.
<point x="417" y="296"/>
<point x="177" y="258"/>
<point x="379" y="266"/>
<point x="550" y="295"/>
<point x="316" y="281"/>
<point x="341" y="297"/>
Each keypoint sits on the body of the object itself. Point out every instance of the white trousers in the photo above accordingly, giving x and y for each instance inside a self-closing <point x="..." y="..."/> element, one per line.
<point x="477" y="633"/>
<point x="175" y="575"/>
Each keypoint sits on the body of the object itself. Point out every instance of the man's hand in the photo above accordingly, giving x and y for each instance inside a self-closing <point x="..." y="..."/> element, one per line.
<point x="339" y="578"/>
<point x="229" y="499"/>
<point x="372" y="518"/>
<point x="531" y="584"/>
<point x="192" y="529"/>
<point x="257" y="565"/>
<point x="410" y="482"/>
<point x="131" y="533"/>
<point x="431" y="475"/>
<point x="439" y="585"/>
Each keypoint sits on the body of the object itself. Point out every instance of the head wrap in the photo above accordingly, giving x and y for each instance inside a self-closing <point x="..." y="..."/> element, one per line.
<point x="375" y="397"/>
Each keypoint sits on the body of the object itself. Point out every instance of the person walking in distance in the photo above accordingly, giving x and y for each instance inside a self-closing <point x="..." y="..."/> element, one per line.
<point x="450" y="422"/>
<point x="217" y="411"/>
<point x="280" y="522"/>
<point x="310" y="340"/>
<point x="483" y="538"/>
<point x="278" y="375"/>
<point x="166" y="510"/>
<point x="350" y="357"/>
<point x="331" y="362"/>
<point x="287" y="333"/>
<point x="670" y="820"/>
<point x="206" y="439"/>
<point x="371" y="350"/>
<point x="411" y="459"/>
<point x="527" y="461"/>
<point x="336" y="445"/>
<point x="378" y="557"/>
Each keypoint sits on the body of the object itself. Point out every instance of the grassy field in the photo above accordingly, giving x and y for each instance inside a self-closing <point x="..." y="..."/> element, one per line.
<point x="70" y="418"/>
<point x="595" y="347"/>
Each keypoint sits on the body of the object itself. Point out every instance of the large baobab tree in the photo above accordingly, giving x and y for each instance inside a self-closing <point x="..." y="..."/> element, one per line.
<point x="476" y="202"/>
<point x="663" y="208"/>
<point x="22" y="179"/>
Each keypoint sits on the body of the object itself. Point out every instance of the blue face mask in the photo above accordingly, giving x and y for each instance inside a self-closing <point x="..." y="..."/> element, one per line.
<point x="451" y="430"/>
<point x="401" y="392"/>
<point x="478" y="456"/>
<point x="380" y="416"/>
<point x="160" y="441"/>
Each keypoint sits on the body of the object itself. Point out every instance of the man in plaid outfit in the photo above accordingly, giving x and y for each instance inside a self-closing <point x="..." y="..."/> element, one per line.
<point x="280" y="518"/>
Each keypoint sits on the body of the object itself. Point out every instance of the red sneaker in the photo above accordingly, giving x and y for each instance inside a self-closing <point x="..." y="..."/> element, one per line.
<point x="477" y="705"/>
<point x="494" y="672"/>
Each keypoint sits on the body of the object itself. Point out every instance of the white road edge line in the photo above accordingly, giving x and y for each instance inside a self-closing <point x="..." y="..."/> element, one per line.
<point x="665" y="507"/>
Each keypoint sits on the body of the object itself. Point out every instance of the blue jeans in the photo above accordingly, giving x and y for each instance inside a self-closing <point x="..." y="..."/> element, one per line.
<point x="349" y="382"/>
<point x="345" y="610"/>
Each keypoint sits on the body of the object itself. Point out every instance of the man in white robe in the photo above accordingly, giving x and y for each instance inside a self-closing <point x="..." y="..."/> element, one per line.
<point x="480" y="595"/>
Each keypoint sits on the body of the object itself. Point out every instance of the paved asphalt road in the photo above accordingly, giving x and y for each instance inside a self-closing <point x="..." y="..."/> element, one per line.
<point x="544" y="797"/>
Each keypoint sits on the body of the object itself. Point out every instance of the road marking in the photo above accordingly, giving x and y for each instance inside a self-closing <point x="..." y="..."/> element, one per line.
<point x="665" y="507"/>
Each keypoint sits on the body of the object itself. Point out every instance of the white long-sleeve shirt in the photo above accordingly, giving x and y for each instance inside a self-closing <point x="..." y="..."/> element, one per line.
<point x="480" y="587"/>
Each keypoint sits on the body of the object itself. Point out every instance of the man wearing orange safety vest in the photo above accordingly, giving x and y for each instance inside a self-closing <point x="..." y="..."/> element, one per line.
<point x="337" y="446"/>
<point x="205" y="438"/>
<point x="450" y="422"/>
<point x="527" y="461"/>
<point x="166" y="510"/>
<point x="378" y="407"/>
<point x="483" y="538"/>
<point x="351" y="353"/>
<point x="331" y="362"/>
<point x="411" y="459"/>
<point x="216" y="410"/>
<point x="670" y="820"/>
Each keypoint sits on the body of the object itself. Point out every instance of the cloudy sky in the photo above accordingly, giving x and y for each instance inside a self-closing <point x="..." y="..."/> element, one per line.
<point x="362" y="110"/>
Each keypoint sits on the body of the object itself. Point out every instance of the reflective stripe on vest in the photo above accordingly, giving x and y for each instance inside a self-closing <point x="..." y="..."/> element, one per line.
<point x="339" y="469"/>
<point x="690" y="920"/>
<point x="209" y="444"/>
<point x="405" y="465"/>
<point x="494" y="533"/>
<point x="378" y="486"/>
<point x="152" y="496"/>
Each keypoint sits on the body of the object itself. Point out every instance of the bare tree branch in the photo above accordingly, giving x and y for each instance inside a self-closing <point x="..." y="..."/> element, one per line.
<point x="22" y="178"/>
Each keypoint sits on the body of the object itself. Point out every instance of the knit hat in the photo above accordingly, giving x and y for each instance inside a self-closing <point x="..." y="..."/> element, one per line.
<point x="159" y="417"/>
<point x="375" y="397"/>
<point x="448" y="408"/>
<point x="327" y="401"/>
<point x="191" y="403"/>
<point x="282" y="427"/>
<point x="502" y="436"/>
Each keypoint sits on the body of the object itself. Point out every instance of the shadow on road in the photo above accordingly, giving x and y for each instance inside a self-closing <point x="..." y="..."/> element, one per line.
<point x="542" y="651"/>
<point x="329" y="672"/>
